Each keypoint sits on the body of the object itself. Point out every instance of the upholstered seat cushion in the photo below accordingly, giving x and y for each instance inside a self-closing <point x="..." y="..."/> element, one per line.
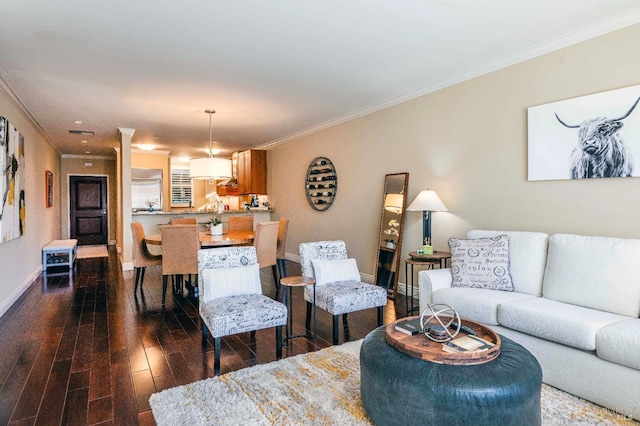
<point x="237" y="314"/>
<point x="559" y="322"/>
<point x="346" y="296"/>
<point x="476" y="304"/>
<point x="619" y="343"/>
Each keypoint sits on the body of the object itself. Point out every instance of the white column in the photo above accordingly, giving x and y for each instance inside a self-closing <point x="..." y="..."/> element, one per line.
<point x="124" y="199"/>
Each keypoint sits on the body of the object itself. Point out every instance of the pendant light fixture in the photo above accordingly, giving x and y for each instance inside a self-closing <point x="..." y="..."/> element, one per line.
<point x="210" y="168"/>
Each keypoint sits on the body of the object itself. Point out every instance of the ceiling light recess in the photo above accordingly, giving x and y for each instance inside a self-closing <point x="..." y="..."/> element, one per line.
<point x="81" y="132"/>
<point x="210" y="168"/>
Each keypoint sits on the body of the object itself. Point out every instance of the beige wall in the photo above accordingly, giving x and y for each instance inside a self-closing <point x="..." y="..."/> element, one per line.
<point x="20" y="258"/>
<point x="88" y="166"/>
<point x="468" y="143"/>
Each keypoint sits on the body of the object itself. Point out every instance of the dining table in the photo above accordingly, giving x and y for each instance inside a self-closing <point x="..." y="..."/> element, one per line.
<point x="232" y="238"/>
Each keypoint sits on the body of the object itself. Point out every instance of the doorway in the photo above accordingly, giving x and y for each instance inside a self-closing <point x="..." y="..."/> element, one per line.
<point x="88" y="209"/>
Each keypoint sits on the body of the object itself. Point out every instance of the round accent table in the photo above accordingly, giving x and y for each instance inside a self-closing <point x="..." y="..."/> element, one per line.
<point x="398" y="389"/>
<point x="298" y="281"/>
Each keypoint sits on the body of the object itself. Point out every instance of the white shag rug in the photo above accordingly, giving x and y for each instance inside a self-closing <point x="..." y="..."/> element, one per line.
<point x="317" y="388"/>
<point x="90" y="252"/>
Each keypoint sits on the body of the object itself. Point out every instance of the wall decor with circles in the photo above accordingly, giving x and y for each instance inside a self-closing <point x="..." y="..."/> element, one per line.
<point x="321" y="183"/>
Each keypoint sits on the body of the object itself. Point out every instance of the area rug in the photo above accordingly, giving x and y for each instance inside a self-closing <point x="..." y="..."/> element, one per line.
<point x="90" y="252"/>
<point x="317" y="388"/>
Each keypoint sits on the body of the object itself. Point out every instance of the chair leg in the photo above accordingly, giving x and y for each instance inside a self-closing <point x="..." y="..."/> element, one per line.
<point x="135" y="287"/>
<point x="380" y="315"/>
<point x="274" y="269"/>
<point x="308" y="321"/>
<point x="164" y="288"/>
<point x="344" y="320"/>
<point x="335" y="329"/>
<point x="282" y="267"/>
<point x="278" y="342"/>
<point x="216" y="355"/>
<point x="142" y="271"/>
<point x="205" y="333"/>
<point x="252" y="337"/>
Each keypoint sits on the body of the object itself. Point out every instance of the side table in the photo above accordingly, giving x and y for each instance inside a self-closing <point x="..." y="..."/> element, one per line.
<point x="429" y="260"/>
<point x="290" y="283"/>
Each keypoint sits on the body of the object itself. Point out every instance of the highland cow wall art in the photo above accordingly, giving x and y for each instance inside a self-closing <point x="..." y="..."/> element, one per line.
<point x="595" y="136"/>
<point x="12" y="207"/>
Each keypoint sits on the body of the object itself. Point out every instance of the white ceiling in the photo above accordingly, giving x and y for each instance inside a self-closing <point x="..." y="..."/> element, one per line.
<point x="271" y="69"/>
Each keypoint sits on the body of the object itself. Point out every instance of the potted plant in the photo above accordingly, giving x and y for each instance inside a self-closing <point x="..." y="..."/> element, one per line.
<point x="150" y="203"/>
<point x="392" y="231"/>
<point x="390" y="243"/>
<point x="215" y="224"/>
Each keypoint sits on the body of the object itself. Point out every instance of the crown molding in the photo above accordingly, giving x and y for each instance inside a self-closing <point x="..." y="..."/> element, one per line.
<point x="89" y="157"/>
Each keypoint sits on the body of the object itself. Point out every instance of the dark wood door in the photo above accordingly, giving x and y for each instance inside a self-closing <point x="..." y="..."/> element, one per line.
<point x="88" y="211"/>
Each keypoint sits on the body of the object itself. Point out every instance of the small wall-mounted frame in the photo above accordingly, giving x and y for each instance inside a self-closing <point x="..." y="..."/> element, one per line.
<point x="48" y="183"/>
<point x="321" y="183"/>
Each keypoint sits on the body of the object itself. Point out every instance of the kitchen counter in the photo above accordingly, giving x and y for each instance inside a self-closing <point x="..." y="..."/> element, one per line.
<point x="151" y="221"/>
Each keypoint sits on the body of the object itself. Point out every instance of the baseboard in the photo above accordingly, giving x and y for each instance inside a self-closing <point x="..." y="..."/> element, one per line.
<point x="19" y="291"/>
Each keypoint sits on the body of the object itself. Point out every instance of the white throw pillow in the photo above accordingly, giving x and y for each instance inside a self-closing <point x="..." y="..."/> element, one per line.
<point x="224" y="282"/>
<point x="481" y="263"/>
<point x="332" y="271"/>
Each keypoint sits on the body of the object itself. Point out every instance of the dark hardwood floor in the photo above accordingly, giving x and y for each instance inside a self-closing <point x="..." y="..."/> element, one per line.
<point x="90" y="352"/>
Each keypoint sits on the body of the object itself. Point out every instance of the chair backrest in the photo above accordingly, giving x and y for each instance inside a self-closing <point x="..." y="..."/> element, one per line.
<point x="180" y="245"/>
<point x="240" y="223"/>
<point x="236" y="257"/>
<point x="141" y="256"/>
<point x="327" y="250"/>
<point x="282" y="238"/>
<point x="266" y="243"/>
<point x="183" y="221"/>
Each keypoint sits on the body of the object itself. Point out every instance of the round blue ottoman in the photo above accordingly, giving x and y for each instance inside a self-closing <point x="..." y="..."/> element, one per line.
<point x="397" y="389"/>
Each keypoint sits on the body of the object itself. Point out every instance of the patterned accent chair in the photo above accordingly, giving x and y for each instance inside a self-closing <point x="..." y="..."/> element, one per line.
<point x="342" y="296"/>
<point x="231" y="299"/>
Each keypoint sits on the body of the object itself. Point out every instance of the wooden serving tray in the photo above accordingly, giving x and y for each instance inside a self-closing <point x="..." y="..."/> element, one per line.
<point x="421" y="347"/>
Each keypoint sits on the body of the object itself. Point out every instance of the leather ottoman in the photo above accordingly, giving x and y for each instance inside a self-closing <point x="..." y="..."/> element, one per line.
<point x="397" y="389"/>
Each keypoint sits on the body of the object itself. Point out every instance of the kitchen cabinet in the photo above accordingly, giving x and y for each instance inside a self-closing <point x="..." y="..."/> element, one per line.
<point x="251" y="168"/>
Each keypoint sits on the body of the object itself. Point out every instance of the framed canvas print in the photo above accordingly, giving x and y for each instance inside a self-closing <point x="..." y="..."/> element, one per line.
<point x="594" y="136"/>
<point x="12" y="182"/>
<point x="48" y="178"/>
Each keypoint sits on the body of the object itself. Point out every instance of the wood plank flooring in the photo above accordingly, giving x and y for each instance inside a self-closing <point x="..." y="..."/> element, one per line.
<point x="89" y="352"/>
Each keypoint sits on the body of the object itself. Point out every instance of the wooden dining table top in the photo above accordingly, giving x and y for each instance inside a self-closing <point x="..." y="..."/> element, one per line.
<point x="233" y="238"/>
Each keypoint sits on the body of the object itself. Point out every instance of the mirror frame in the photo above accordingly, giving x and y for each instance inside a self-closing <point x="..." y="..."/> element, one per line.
<point x="382" y="251"/>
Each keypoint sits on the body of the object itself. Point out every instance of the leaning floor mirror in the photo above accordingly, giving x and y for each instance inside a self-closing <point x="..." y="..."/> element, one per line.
<point x="389" y="249"/>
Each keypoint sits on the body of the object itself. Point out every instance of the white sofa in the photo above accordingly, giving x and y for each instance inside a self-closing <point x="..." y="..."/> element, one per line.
<point x="575" y="307"/>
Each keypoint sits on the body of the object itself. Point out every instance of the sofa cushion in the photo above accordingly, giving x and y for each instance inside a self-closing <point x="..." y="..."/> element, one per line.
<point x="559" y="322"/>
<point x="594" y="272"/>
<point x="527" y="258"/>
<point x="476" y="304"/>
<point x="481" y="263"/>
<point x="620" y="343"/>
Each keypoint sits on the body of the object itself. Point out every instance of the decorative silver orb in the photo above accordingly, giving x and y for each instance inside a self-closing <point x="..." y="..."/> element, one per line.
<point x="440" y="322"/>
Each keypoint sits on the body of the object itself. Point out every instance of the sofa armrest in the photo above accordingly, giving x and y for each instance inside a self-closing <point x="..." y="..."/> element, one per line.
<point x="430" y="281"/>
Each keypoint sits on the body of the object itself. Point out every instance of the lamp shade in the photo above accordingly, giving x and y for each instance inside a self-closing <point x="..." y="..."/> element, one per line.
<point x="209" y="168"/>
<point x="427" y="201"/>
<point x="393" y="203"/>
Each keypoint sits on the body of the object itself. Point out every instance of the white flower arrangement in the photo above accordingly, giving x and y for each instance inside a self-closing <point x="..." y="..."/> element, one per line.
<point x="392" y="231"/>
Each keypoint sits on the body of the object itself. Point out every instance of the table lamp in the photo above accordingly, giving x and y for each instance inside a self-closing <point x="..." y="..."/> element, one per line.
<point x="427" y="201"/>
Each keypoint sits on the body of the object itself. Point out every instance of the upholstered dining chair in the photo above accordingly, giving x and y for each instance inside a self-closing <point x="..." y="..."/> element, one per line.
<point x="180" y="245"/>
<point x="282" y="240"/>
<point x="183" y="221"/>
<point x="266" y="244"/>
<point x="141" y="256"/>
<point x="231" y="299"/>
<point x="240" y="223"/>
<point x="339" y="289"/>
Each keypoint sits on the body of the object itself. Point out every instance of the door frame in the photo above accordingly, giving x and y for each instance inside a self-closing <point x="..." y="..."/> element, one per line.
<point x="69" y="176"/>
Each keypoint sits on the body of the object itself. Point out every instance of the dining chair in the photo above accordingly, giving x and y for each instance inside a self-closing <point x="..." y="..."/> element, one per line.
<point x="240" y="223"/>
<point x="280" y="254"/>
<point x="180" y="245"/>
<point x="339" y="289"/>
<point x="183" y="221"/>
<point x="141" y="256"/>
<point x="231" y="299"/>
<point x="266" y="245"/>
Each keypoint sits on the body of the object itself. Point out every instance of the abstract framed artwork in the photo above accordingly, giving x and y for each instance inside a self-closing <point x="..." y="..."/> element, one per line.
<point x="12" y="182"/>
<point x="48" y="182"/>
<point x="594" y="136"/>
